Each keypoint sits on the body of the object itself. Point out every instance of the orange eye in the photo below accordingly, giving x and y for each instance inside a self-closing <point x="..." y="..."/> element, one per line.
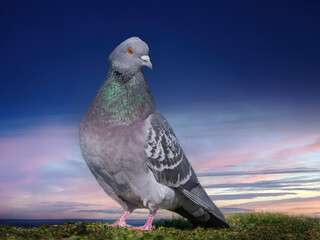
<point x="130" y="51"/>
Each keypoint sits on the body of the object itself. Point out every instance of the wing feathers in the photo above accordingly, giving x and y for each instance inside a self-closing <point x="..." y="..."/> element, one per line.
<point x="170" y="167"/>
<point x="165" y="157"/>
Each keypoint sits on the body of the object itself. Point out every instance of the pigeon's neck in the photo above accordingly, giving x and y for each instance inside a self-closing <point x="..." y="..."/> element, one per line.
<point x="122" y="100"/>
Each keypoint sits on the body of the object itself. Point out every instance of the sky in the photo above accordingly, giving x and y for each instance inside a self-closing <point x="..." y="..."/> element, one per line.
<point x="238" y="81"/>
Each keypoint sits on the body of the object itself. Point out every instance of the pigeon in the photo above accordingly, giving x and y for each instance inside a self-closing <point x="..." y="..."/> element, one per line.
<point x="133" y="152"/>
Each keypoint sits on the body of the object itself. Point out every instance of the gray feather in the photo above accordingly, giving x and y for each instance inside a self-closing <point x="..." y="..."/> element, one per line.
<point x="170" y="166"/>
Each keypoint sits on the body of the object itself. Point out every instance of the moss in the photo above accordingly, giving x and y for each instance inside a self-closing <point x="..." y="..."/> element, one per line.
<point x="243" y="226"/>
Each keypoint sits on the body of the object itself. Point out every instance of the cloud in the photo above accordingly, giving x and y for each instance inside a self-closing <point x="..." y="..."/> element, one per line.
<point x="278" y="202"/>
<point x="296" y="200"/>
<point x="21" y="156"/>
<point x="247" y="195"/>
<point x="59" y="206"/>
<point x="230" y="210"/>
<point x="297" y="205"/>
<point x="247" y="136"/>
<point x="283" y="184"/>
<point x="256" y="172"/>
<point x="69" y="205"/>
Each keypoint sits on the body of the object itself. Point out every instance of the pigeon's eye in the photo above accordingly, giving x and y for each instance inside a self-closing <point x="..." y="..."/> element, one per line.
<point x="130" y="51"/>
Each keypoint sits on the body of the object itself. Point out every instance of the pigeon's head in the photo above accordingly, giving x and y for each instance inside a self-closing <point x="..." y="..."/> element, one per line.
<point x="130" y="56"/>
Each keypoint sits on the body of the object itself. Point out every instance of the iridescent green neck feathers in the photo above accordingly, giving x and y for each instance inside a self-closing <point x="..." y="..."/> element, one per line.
<point x="122" y="100"/>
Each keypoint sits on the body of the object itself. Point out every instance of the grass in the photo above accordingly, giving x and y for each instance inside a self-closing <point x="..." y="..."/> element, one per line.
<point x="243" y="226"/>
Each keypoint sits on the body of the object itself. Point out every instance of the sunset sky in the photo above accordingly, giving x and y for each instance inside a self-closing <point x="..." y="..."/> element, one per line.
<point x="239" y="83"/>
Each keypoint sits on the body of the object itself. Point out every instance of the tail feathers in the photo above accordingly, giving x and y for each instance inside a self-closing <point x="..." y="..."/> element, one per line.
<point x="212" y="221"/>
<point x="199" y="198"/>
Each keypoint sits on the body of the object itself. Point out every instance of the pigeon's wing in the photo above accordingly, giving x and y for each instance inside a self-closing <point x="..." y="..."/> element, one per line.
<point x="170" y="166"/>
<point x="165" y="156"/>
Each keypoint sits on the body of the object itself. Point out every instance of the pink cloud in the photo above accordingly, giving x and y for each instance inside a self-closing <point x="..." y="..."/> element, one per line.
<point x="298" y="151"/>
<point x="307" y="206"/>
<point x="276" y="154"/>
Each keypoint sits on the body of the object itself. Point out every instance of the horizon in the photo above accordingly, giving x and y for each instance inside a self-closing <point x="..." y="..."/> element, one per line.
<point x="238" y="83"/>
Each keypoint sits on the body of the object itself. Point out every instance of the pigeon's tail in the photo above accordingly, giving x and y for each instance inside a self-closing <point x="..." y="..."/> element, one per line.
<point x="212" y="220"/>
<point x="200" y="209"/>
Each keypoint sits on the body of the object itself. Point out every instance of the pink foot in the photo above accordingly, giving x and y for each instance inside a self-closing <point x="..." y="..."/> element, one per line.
<point x="148" y="226"/>
<point x="122" y="221"/>
<point x="122" y="224"/>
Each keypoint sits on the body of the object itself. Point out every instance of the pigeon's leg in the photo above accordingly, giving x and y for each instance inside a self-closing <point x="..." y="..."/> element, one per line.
<point x="148" y="225"/>
<point x="122" y="220"/>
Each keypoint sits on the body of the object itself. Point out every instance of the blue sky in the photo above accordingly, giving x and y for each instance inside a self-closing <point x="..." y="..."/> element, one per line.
<point x="238" y="81"/>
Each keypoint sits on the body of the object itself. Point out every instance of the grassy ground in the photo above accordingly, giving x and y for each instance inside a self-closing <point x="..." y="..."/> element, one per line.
<point x="243" y="226"/>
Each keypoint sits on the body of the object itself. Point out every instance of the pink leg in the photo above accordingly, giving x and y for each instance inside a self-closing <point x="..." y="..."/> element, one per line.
<point x="122" y="221"/>
<point x="148" y="226"/>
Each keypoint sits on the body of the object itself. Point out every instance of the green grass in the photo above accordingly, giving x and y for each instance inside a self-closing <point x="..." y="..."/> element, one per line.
<point x="243" y="226"/>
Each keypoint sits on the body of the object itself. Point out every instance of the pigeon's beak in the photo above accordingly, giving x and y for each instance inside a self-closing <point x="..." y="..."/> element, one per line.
<point x="146" y="61"/>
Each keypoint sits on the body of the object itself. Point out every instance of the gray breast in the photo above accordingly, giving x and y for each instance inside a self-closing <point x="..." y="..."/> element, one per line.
<point x="116" y="157"/>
